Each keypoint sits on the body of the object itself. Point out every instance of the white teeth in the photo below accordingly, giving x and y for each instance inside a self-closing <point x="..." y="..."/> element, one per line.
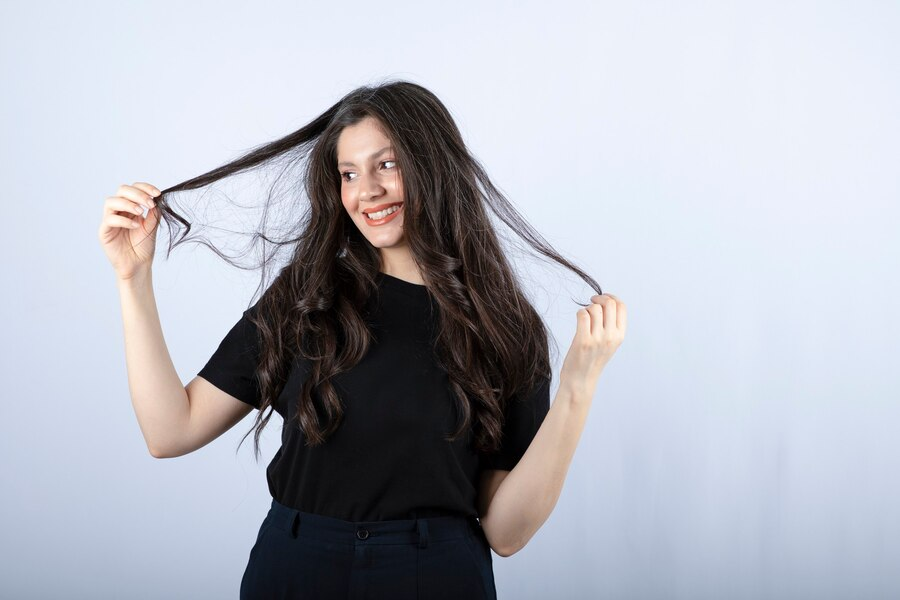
<point x="383" y="213"/>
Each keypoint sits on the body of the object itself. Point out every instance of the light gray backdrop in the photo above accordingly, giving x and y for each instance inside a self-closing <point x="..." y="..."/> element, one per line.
<point x="729" y="170"/>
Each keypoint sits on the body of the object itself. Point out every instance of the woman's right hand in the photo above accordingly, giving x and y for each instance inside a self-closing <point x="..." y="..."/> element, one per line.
<point x="128" y="238"/>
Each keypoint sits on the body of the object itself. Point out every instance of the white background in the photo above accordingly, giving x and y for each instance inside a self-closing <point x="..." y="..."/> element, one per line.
<point x="728" y="170"/>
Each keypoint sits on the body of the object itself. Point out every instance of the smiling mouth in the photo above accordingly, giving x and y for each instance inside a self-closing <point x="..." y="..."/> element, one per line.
<point x="383" y="212"/>
<point x="385" y="219"/>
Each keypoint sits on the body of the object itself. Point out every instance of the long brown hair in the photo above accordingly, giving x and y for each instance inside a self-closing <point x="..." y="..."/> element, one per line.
<point x="491" y="341"/>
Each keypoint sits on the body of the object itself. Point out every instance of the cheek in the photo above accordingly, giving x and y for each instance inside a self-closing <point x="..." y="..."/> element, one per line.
<point x="349" y="204"/>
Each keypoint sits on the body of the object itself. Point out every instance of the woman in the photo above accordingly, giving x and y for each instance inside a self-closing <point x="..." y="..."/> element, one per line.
<point x="410" y="369"/>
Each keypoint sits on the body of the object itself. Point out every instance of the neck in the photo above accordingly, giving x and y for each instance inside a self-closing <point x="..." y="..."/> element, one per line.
<point x="399" y="263"/>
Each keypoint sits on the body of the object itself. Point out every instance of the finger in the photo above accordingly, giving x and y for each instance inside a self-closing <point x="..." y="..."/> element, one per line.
<point x="117" y="203"/>
<point x="596" y="311"/>
<point x="138" y="195"/>
<point x="583" y="326"/>
<point x="148" y="187"/>
<point x="602" y="301"/>
<point x="122" y="221"/>
<point x="608" y="322"/>
<point x="620" y="312"/>
<point x="609" y="314"/>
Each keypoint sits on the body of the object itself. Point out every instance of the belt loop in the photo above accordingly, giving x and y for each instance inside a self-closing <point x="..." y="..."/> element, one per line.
<point x="422" y="530"/>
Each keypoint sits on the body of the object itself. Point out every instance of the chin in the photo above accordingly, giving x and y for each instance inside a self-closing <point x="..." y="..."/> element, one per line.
<point x="381" y="243"/>
<point x="384" y="239"/>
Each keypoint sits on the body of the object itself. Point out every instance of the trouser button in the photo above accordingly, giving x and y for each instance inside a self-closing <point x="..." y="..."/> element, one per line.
<point x="362" y="533"/>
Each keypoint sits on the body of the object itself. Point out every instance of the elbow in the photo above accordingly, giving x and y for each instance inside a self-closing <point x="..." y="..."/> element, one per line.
<point x="503" y="539"/>
<point x="502" y="545"/>
<point x="167" y="453"/>
<point x="507" y="548"/>
<point x="506" y="551"/>
<point x="157" y="453"/>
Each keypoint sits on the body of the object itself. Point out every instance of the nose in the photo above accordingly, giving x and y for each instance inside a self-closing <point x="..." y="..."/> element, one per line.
<point x="368" y="188"/>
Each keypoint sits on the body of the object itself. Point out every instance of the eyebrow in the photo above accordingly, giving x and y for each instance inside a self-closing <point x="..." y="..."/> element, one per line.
<point x="350" y="164"/>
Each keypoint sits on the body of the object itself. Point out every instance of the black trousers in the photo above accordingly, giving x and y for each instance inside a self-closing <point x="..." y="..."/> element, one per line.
<point x="309" y="556"/>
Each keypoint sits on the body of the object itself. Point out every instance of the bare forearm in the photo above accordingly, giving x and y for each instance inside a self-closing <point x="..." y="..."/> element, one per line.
<point x="528" y="494"/>
<point x="157" y="394"/>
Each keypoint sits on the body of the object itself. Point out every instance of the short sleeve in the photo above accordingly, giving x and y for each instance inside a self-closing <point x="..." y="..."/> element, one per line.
<point x="524" y="416"/>
<point x="232" y="367"/>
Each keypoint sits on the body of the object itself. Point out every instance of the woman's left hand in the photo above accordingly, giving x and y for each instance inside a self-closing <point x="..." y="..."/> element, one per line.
<point x="599" y="333"/>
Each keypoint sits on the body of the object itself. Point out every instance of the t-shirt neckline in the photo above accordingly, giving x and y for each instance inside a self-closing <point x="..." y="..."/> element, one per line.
<point x="401" y="285"/>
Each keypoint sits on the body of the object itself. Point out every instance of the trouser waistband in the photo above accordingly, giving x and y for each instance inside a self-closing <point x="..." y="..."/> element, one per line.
<point x="420" y="530"/>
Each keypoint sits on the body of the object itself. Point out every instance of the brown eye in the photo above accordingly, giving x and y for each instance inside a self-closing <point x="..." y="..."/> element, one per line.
<point x="345" y="175"/>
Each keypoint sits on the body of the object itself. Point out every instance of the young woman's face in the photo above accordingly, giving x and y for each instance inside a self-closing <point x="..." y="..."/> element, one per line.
<point x="371" y="182"/>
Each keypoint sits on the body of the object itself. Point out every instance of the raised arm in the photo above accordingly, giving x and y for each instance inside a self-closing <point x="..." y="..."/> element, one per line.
<point x="174" y="420"/>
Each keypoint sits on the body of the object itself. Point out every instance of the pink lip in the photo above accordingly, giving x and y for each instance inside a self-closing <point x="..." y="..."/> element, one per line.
<point x="384" y="220"/>
<point x="380" y="207"/>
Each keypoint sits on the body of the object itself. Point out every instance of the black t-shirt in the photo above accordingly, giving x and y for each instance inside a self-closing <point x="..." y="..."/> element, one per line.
<point x="388" y="458"/>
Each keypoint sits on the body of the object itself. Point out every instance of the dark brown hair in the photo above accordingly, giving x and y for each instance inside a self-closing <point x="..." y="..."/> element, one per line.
<point x="491" y="341"/>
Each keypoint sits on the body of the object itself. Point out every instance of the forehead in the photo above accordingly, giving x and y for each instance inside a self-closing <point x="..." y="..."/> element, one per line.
<point x="357" y="141"/>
